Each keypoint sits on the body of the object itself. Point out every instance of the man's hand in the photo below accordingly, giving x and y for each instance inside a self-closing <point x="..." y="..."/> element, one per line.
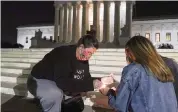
<point x="108" y="80"/>
<point x="97" y="84"/>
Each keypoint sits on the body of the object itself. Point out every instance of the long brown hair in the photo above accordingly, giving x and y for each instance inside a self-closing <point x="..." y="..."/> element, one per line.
<point x="143" y="52"/>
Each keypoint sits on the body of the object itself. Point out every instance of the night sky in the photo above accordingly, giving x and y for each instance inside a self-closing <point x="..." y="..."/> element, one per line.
<point x="19" y="13"/>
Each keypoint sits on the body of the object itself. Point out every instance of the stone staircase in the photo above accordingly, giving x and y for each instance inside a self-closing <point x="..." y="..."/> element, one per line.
<point x="16" y="64"/>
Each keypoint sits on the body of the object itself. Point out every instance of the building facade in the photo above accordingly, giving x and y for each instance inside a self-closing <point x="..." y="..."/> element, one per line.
<point x="158" y="31"/>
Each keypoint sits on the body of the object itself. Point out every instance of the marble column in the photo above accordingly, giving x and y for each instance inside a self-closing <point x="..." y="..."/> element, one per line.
<point x="69" y="22"/>
<point x="85" y="18"/>
<point x="74" y="22"/>
<point x="96" y="18"/>
<point x="129" y="5"/>
<point x="117" y="22"/>
<point x="106" y="22"/>
<point x="61" y="23"/>
<point x="56" y="23"/>
<point x="78" y="22"/>
<point x="65" y="29"/>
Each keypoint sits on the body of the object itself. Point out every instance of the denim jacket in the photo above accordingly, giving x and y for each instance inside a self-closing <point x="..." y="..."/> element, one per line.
<point x="140" y="91"/>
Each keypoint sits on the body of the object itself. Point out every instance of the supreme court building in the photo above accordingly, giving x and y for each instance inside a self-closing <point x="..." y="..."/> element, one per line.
<point x="112" y="21"/>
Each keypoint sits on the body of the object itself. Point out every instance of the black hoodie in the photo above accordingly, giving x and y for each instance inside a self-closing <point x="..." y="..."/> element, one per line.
<point x="61" y="66"/>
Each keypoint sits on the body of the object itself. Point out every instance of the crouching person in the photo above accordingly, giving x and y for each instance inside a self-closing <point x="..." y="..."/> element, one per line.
<point x="63" y="70"/>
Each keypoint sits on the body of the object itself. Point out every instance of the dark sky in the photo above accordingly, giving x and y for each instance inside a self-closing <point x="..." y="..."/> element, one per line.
<point x="19" y="13"/>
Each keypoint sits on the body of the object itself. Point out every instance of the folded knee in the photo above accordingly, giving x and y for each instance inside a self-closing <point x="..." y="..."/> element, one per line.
<point x="53" y="96"/>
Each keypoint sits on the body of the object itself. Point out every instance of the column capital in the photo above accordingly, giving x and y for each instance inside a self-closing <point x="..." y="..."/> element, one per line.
<point x="107" y="2"/>
<point x="78" y="5"/>
<point x="60" y="6"/>
<point x="96" y="2"/>
<point x="56" y="6"/>
<point x="69" y="6"/>
<point x="117" y="2"/>
<point x="84" y="2"/>
<point x="133" y="2"/>
<point x="74" y="3"/>
<point x="65" y="4"/>
<point x="130" y="2"/>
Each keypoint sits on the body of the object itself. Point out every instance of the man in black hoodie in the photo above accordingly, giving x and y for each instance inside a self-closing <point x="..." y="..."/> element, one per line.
<point x="63" y="70"/>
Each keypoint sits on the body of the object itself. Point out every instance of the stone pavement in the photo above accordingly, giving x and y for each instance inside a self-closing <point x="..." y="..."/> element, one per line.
<point x="10" y="103"/>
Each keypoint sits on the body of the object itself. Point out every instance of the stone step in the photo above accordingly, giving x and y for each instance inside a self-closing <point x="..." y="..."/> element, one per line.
<point x="172" y="54"/>
<point x="8" y="55"/>
<point x="99" y="57"/>
<point x="18" y="49"/>
<point x="21" y="90"/>
<point x="23" y="78"/>
<point x="41" y="54"/>
<point x="14" y="75"/>
<point x="94" y="68"/>
<point x="34" y="60"/>
<point x="96" y="71"/>
<point x="115" y="60"/>
<point x="17" y="64"/>
<point x="97" y="54"/>
<point x="15" y="89"/>
<point x="14" y="78"/>
<point x="105" y="68"/>
<point x="17" y="80"/>
<point x="91" y="62"/>
<point x="25" y="60"/>
<point x="15" y="70"/>
<point x="109" y="62"/>
<point x="40" y="50"/>
<point x="100" y="49"/>
<point x="49" y="49"/>
<point x="94" y="57"/>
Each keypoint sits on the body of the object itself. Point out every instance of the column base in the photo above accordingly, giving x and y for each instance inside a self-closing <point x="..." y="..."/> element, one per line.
<point x="123" y="40"/>
<point x="72" y="43"/>
<point x="108" y="45"/>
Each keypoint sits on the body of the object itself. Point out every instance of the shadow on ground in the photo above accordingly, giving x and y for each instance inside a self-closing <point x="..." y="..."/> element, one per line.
<point x="18" y="104"/>
<point x="11" y="103"/>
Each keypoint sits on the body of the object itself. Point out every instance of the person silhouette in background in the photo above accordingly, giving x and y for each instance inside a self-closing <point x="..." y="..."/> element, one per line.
<point x="147" y="82"/>
<point x="173" y="66"/>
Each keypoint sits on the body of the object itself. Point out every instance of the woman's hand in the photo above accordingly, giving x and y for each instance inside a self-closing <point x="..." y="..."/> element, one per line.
<point x="104" y="90"/>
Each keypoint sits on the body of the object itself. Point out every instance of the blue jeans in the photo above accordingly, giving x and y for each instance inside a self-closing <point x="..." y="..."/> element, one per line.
<point x="47" y="92"/>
